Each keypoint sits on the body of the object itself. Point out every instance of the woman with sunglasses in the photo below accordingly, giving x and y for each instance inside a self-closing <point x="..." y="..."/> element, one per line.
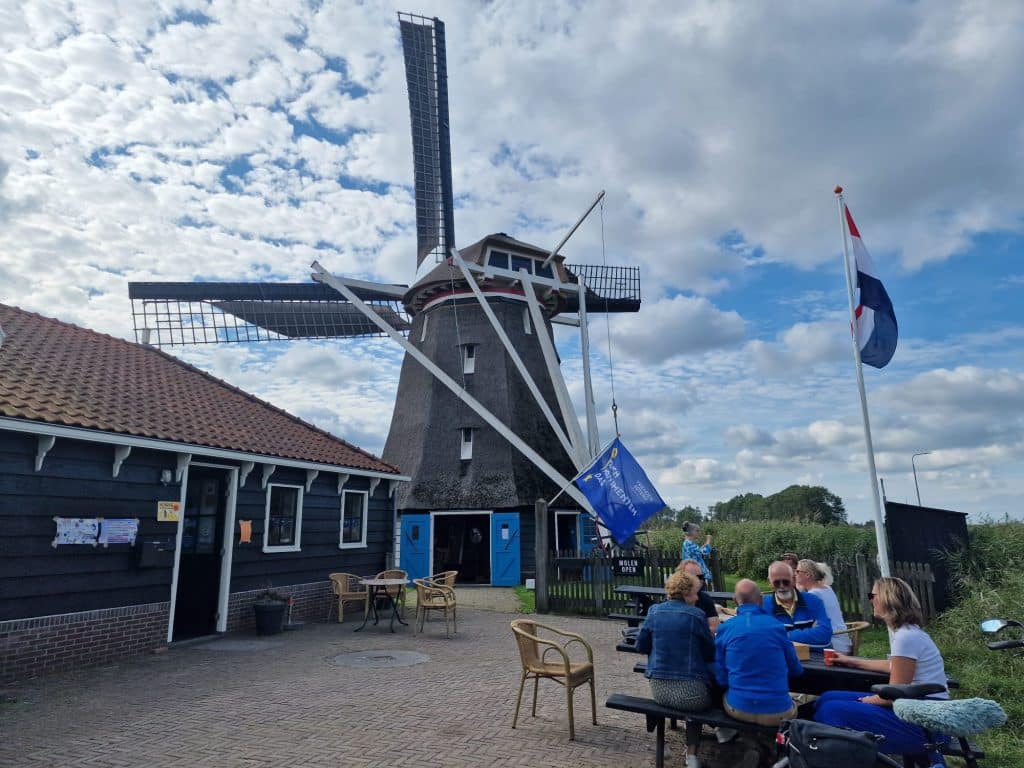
<point x="913" y="658"/>
<point x="816" y="578"/>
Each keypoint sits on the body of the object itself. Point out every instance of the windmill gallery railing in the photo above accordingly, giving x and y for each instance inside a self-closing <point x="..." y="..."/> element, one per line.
<point x="586" y="585"/>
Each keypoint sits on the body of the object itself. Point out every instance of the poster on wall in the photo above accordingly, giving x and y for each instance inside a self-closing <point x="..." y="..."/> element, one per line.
<point x="118" y="531"/>
<point x="76" y="530"/>
<point x="168" y="511"/>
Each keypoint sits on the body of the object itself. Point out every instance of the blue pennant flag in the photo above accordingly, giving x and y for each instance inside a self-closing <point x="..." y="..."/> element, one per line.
<point x="618" y="489"/>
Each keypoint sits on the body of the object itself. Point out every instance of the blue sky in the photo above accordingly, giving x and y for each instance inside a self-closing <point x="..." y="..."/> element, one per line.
<point x="241" y="141"/>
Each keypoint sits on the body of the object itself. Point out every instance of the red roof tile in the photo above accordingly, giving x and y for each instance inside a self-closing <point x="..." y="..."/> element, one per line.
<point x="61" y="374"/>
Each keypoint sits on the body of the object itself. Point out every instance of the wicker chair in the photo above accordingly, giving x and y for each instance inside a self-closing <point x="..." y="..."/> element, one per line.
<point x="447" y="578"/>
<point x="434" y="596"/>
<point x="548" y="657"/>
<point x="853" y="629"/>
<point x="347" y="589"/>
<point x="396" y="593"/>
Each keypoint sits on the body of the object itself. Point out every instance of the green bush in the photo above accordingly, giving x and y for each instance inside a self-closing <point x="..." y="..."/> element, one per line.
<point x="996" y="550"/>
<point x="749" y="548"/>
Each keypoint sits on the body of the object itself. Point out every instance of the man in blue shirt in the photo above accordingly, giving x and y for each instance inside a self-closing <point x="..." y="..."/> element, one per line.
<point x="754" y="661"/>
<point x="789" y="606"/>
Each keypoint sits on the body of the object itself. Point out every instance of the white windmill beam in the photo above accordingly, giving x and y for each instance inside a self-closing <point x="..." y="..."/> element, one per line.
<point x="517" y="360"/>
<point x="575" y="226"/>
<point x="321" y="275"/>
<point x="547" y="346"/>
<point x="593" y="438"/>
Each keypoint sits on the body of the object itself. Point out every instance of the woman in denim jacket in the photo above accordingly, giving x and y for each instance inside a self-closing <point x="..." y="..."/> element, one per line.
<point x="680" y="649"/>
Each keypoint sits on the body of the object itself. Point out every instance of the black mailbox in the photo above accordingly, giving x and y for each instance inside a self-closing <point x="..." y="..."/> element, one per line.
<point x="156" y="551"/>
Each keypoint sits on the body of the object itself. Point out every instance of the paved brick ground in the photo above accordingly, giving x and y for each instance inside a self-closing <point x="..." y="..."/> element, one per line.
<point x="285" y="703"/>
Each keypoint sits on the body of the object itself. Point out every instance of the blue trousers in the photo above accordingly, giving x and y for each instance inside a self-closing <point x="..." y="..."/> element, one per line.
<point x="841" y="709"/>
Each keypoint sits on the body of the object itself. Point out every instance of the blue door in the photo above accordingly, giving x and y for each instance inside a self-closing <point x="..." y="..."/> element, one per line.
<point x="505" y="545"/>
<point x="414" y="549"/>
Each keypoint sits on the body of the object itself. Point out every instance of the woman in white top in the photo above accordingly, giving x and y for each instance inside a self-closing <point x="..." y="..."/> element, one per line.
<point x="817" y="578"/>
<point x="914" y="658"/>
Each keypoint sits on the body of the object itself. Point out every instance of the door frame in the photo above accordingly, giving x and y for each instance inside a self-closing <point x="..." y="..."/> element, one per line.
<point x="227" y="545"/>
<point x="447" y="513"/>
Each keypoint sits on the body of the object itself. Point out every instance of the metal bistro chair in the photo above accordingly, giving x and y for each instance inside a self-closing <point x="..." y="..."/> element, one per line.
<point x="853" y="629"/>
<point x="560" y="668"/>
<point x="434" y="596"/>
<point x="347" y="589"/>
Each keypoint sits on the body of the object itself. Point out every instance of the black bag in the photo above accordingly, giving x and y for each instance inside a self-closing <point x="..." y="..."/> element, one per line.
<point x="816" y="745"/>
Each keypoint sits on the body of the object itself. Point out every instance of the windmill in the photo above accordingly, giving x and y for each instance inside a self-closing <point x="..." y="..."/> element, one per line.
<point x="482" y="422"/>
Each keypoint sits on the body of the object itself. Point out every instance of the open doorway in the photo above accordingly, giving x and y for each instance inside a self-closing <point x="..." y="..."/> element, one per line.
<point x="462" y="542"/>
<point x="201" y="564"/>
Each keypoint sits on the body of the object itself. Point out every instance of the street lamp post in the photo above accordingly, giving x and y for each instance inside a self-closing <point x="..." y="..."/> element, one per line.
<point x="925" y="453"/>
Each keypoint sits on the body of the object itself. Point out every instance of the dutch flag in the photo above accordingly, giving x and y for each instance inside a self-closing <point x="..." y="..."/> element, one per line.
<point x="875" y="324"/>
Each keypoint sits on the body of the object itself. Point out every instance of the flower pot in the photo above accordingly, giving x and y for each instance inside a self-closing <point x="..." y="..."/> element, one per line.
<point x="269" y="617"/>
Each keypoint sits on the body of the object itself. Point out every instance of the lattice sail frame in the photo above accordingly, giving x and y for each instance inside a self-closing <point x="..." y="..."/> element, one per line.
<point x="175" y="314"/>
<point x="426" y="75"/>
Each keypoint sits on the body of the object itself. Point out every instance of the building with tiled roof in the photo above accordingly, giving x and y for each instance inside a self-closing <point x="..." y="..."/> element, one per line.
<point x="143" y="500"/>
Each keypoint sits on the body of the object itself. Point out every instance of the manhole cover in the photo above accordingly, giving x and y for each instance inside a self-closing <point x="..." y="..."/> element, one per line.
<point x="239" y="645"/>
<point x="379" y="659"/>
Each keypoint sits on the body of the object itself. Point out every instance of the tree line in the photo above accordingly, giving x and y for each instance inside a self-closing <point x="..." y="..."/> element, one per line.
<point x="797" y="503"/>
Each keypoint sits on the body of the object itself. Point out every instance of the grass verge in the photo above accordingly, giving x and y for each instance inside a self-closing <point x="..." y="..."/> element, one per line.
<point x="527" y="599"/>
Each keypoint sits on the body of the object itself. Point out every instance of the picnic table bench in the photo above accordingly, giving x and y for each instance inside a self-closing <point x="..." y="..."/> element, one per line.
<point x="656" y="714"/>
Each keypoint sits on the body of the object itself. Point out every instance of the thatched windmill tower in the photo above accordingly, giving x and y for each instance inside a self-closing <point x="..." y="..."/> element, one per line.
<point x="482" y="420"/>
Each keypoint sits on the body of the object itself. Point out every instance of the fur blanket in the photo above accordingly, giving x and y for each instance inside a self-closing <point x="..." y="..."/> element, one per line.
<point x="958" y="717"/>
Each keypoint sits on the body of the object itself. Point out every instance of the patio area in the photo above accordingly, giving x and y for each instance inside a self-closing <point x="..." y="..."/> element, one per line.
<point x="294" y="699"/>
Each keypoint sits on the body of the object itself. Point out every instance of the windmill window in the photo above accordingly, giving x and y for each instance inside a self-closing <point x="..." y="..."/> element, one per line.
<point x="467" y="443"/>
<point x="353" y="519"/>
<point x="544" y="271"/>
<point x="527" y="325"/>
<point x="498" y="259"/>
<point x="282" y="525"/>
<point x="522" y="264"/>
<point x="468" y="358"/>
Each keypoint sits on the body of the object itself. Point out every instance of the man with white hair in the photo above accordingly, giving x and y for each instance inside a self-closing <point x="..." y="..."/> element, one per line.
<point x="790" y="606"/>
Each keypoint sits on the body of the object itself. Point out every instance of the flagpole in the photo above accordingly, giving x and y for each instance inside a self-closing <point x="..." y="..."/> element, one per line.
<point x="883" y="546"/>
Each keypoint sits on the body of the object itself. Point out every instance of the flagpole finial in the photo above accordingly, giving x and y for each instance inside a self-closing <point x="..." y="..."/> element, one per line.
<point x="838" y="190"/>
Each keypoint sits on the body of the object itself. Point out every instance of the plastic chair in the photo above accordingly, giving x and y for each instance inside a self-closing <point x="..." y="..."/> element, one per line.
<point x="396" y="593"/>
<point x="347" y="589"/>
<point x="434" y="596"/>
<point x="853" y="629"/>
<point x="535" y="652"/>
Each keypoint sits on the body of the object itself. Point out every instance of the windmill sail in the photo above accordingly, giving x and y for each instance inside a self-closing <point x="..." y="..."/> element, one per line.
<point x="426" y="73"/>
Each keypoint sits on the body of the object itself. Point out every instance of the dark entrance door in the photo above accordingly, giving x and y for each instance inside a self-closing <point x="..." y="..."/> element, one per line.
<point x="463" y="543"/>
<point x="202" y="538"/>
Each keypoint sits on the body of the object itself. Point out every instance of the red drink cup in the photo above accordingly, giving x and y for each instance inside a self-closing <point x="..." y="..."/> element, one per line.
<point x="830" y="657"/>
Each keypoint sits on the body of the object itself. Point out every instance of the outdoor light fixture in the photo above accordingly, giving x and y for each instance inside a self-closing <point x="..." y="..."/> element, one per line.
<point x="925" y="453"/>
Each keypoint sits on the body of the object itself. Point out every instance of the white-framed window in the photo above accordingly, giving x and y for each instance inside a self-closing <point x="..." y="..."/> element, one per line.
<point x="282" y="525"/>
<point x="468" y="358"/>
<point x="527" y="324"/>
<point x="354" y="506"/>
<point x="467" y="443"/>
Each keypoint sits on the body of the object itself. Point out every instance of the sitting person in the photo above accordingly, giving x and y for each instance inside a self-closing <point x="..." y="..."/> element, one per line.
<point x="789" y="606"/>
<point x="816" y="578"/>
<point x="704" y="601"/>
<point x="913" y="659"/>
<point x="790" y="559"/>
<point x="680" y="650"/>
<point x="754" y="660"/>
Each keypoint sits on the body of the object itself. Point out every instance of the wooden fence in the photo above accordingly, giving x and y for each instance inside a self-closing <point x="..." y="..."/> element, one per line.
<point x="586" y="585"/>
